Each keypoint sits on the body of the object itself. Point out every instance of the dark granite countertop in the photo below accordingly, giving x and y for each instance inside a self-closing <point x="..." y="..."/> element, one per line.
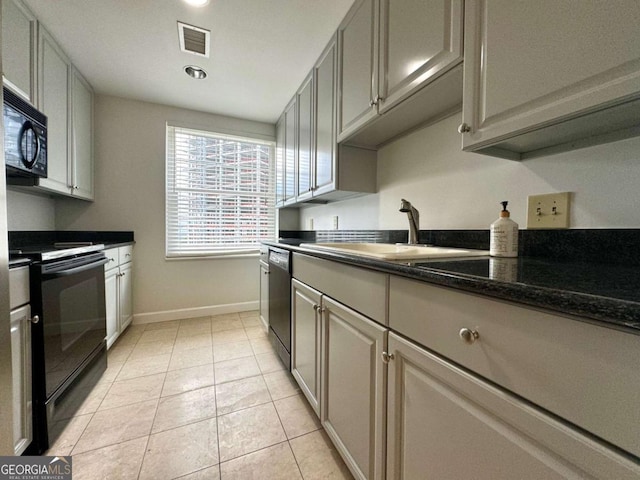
<point x="606" y="294"/>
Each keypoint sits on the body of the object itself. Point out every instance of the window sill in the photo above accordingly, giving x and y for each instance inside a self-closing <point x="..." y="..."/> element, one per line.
<point x="216" y="256"/>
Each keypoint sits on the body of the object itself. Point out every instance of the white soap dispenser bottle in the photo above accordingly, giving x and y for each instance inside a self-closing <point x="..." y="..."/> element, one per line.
<point x="504" y="235"/>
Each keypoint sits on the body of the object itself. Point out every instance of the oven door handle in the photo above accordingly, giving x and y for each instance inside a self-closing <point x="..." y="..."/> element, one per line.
<point x="73" y="271"/>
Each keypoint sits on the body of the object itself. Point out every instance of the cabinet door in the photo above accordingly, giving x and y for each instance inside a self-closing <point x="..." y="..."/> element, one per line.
<point x="111" y="278"/>
<point x="563" y="60"/>
<point x="446" y="423"/>
<point x="53" y="99"/>
<point x="357" y="67"/>
<point x="305" y="149"/>
<point x="82" y="137"/>
<point x="290" y="152"/>
<point x="418" y="42"/>
<point x="306" y="339"/>
<point x="354" y="388"/>
<point x="325" y="121"/>
<point x="280" y="154"/>
<point x="264" y="294"/>
<point x="125" y="291"/>
<point x="19" y="48"/>
<point x="21" y="374"/>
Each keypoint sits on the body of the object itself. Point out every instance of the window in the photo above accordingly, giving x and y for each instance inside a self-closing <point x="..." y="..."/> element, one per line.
<point x="219" y="193"/>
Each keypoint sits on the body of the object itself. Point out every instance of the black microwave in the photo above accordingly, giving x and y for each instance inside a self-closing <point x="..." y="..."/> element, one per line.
<point x="25" y="139"/>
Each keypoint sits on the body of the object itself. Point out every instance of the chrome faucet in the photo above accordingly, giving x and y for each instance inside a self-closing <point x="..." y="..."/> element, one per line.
<point x="414" y="220"/>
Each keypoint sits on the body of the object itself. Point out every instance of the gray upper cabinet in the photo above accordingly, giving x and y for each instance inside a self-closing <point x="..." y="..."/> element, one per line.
<point x="66" y="98"/>
<point x="308" y="157"/>
<point x="357" y="40"/>
<point x="19" y="48"/>
<point x="418" y="40"/>
<point x="290" y="152"/>
<point x="568" y="76"/>
<point x="82" y="137"/>
<point x="399" y="66"/>
<point x="305" y="150"/>
<point x="280" y="149"/>
<point x="53" y="100"/>
<point x="324" y="72"/>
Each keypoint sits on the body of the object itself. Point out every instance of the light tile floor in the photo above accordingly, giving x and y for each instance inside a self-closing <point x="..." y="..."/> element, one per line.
<point x="203" y="398"/>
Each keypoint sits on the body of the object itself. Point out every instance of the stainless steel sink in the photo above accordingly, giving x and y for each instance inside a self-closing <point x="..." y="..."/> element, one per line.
<point x="388" y="251"/>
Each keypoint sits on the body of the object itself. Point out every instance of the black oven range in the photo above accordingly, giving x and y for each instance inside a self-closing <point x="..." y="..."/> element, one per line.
<point x="69" y="352"/>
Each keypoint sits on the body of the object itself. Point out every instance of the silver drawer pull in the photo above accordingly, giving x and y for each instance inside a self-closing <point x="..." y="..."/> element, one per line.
<point x="468" y="336"/>
<point x="35" y="319"/>
<point x="387" y="357"/>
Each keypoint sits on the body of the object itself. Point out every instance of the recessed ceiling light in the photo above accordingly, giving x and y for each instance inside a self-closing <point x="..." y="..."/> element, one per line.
<point x="195" y="72"/>
<point x="197" y="3"/>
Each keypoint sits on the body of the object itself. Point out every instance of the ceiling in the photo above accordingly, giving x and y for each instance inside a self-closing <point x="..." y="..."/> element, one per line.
<point x="261" y="50"/>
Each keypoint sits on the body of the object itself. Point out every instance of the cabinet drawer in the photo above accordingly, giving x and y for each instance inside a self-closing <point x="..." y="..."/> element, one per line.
<point x="113" y="259"/>
<point x="126" y="254"/>
<point x="18" y="287"/>
<point x="363" y="290"/>
<point x="584" y="373"/>
<point x="448" y="422"/>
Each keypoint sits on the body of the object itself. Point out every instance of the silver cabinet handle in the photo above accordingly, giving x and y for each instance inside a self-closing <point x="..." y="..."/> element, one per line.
<point x="468" y="336"/>
<point x="34" y="319"/>
<point x="375" y="101"/>
<point x="464" y="128"/>
<point x="387" y="357"/>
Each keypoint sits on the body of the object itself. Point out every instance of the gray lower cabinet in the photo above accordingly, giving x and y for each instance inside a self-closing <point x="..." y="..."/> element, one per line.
<point x="264" y="294"/>
<point x="306" y="341"/>
<point x="522" y="397"/>
<point x="118" y="291"/>
<point x="111" y="277"/>
<point x="444" y="422"/>
<point x="354" y="388"/>
<point x="20" y="326"/>
<point x="21" y="373"/>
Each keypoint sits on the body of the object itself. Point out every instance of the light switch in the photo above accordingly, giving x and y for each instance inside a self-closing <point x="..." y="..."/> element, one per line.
<point x="549" y="210"/>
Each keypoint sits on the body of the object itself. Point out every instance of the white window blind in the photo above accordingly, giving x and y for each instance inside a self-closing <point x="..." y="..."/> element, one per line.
<point x="219" y="193"/>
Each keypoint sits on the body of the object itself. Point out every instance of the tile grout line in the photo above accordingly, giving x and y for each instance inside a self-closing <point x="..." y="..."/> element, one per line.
<point x="215" y="399"/>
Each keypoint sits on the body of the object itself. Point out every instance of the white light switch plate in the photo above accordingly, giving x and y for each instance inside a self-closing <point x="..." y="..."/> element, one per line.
<point x="548" y="211"/>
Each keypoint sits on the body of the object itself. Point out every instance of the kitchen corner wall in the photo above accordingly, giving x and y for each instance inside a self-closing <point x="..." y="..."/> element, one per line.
<point x="129" y="152"/>
<point x="458" y="190"/>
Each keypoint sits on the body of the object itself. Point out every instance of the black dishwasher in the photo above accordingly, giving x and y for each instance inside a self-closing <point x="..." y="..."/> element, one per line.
<point x="280" y="303"/>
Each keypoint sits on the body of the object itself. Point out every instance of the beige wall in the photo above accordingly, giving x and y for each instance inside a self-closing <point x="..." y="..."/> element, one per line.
<point x="28" y="211"/>
<point x="129" y="195"/>
<point x="458" y="190"/>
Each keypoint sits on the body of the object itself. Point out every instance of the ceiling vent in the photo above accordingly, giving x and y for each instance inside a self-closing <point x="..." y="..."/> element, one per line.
<point x="194" y="39"/>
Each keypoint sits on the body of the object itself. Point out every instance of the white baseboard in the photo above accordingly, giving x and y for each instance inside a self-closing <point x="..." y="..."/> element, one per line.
<point x="153" y="317"/>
